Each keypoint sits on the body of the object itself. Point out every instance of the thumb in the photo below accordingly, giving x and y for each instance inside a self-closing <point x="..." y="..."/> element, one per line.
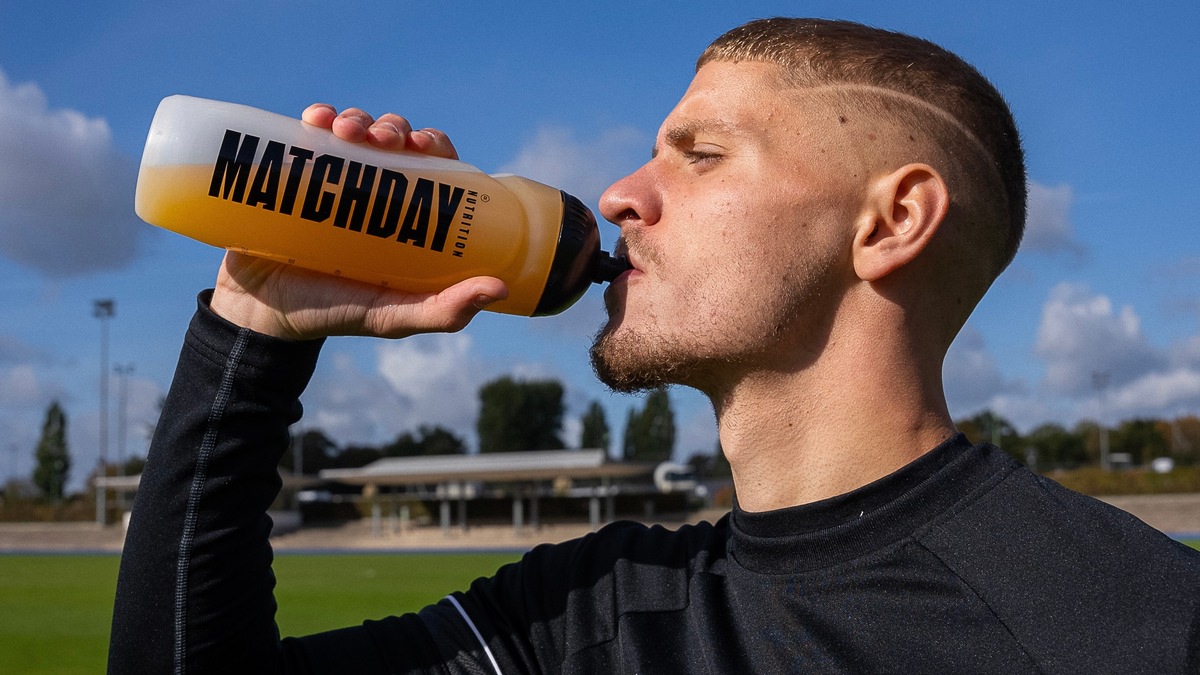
<point x="447" y="311"/>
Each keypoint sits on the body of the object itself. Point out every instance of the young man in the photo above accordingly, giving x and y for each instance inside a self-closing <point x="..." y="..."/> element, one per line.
<point x="823" y="209"/>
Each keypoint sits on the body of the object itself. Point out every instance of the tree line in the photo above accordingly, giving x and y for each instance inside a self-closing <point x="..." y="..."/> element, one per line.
<point x="522" y="415"/>
<point x="514" y="416"/>
<point x="1052" y="446"/>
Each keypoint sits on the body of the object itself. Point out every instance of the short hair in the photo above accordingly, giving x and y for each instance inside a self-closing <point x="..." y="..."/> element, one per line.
<point x="818" y="52"/>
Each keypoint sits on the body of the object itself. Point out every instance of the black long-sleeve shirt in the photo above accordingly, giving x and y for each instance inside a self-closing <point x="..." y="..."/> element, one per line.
<point x="961" y="562"/>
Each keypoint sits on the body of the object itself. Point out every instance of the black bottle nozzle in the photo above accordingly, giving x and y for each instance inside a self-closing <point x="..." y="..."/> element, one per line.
<point x="609" y="267"/>
<point x="578" y="261"/>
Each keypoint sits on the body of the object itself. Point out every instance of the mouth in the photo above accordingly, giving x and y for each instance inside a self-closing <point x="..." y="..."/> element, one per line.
<point x="621" y="250"/>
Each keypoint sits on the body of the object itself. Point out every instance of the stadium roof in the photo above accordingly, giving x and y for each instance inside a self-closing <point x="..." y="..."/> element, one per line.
<point x="536" y="465"/>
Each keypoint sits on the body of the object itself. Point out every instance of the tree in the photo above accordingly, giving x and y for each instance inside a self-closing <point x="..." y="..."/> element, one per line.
<point x="1089" y="431"/>
<point x="427" y="441"/>
<point x="1183" y="437"/>
<point x="988" y="427"/>
<point x="650" y="433"/>
<point x="595" y="428"/>
<point x="52" y="460"/>
<point x="520" y="415"/>
<point x="355" y="456"/>
<point x="1057" y="447"/>
<point x="1140" y="439"/>
<point x="710" y="464"/>
<point x="316" y="452"/>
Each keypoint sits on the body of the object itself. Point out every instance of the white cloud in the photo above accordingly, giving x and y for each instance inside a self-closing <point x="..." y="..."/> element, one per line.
<point x="1082" y="335"/>
<point x="1161" y="393"/>
<point x="14" y="350"/>
<point x="351" y="405"/>
<point x="66" y="194"/>
<point x="582" y="167"/>
<point x="1187" y="352"/>
<point x="972" y="377"/>
<point x="20" y="386"/>
<point x="1048" y="227"/>
<point x="1098" y="354"/>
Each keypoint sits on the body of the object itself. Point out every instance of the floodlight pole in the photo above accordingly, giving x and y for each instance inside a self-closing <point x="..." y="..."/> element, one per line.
<point x="1100" y="381"/>
<point x="104" y="311"/>
<point x="123" y="372"/>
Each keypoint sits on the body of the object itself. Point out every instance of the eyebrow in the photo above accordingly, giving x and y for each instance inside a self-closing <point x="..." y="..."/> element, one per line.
<point x="681" y="133"/>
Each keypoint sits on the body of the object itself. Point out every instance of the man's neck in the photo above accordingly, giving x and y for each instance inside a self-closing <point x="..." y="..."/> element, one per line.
<point x="796" y="438"/>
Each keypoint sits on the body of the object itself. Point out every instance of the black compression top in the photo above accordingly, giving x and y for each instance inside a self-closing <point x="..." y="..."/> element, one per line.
<point x="961" y="562"/>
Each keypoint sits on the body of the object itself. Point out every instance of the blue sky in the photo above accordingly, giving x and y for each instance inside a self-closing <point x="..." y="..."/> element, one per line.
<point x="571" y="94"/>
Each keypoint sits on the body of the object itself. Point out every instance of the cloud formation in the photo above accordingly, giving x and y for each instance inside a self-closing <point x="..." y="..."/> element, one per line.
<point x="583" y="167"/>
<point x="1098" y="353"/>
<point x="66" y="194"/>
<point x="1098" y="363"/>
<point x="1082" y="335"/>
<point x="421" y="380"/>
<point x="1048" y="226"/>
<point x="971" y="374"/>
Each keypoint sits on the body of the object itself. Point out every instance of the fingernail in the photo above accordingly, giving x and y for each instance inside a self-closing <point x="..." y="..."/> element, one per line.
<point x="483" y="300"/>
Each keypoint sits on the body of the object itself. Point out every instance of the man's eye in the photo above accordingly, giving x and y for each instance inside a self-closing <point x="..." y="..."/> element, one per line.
<point x="701" y="157"/>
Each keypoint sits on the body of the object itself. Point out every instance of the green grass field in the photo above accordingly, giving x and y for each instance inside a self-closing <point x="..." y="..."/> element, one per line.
<point x="55" y="610"/>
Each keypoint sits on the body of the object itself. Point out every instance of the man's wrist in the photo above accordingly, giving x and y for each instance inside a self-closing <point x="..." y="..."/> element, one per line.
<point x="242" y="309"/>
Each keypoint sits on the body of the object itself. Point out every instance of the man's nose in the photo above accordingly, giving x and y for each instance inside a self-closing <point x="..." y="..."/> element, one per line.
<point x="633" y="200"/>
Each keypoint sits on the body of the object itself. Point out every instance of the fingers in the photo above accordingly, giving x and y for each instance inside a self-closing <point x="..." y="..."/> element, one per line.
<point x="432" y="142"/>
<point x="352" y="125"/>
<point x="445" y="312"/>
<point x="389" y="132"/>
<point x="319" y="115"/>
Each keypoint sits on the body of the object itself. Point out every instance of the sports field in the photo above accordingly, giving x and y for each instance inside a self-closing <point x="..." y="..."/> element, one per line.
<point x="55" y="610"/>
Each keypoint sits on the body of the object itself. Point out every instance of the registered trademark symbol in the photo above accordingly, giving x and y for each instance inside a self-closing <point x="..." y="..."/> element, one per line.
<point x="485" y="198"/>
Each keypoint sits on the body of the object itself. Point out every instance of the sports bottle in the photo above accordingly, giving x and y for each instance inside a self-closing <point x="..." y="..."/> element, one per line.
<point x="267" y="185"/>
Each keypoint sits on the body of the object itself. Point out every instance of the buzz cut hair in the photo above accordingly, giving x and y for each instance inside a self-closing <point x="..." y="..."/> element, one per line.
<point x="919" y="85"/>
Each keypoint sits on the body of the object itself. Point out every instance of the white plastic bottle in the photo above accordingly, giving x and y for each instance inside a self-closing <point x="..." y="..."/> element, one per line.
<point x="271" y="186"/>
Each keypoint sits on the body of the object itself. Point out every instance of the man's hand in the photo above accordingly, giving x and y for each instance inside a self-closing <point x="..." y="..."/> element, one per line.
<point x="290" y="302"/>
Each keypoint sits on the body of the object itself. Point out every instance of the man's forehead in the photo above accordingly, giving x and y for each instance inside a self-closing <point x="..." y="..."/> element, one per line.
<point x="755" y="99"/>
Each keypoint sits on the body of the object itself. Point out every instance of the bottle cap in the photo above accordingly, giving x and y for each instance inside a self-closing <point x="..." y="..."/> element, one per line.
<point x="578" y="260"/>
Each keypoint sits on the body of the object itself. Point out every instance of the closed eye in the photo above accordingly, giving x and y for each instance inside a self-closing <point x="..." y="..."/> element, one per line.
<point x="702" y="157"/>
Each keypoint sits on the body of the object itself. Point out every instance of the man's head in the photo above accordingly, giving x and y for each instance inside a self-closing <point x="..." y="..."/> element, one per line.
<point x="916" y="86"/>
<point x="807" y="160"/>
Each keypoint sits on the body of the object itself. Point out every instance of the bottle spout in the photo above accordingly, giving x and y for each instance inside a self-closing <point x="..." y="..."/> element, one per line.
<point x="609" y="267"/>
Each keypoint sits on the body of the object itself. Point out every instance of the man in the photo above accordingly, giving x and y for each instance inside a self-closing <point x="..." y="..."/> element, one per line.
<point x="822" y="211"/>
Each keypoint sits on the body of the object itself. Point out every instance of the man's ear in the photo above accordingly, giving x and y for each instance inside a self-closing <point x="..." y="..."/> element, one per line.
<point x="904" y="210"/>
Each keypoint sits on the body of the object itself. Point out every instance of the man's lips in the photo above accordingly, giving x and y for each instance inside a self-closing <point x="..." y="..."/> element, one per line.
<point x="622" y="250"/>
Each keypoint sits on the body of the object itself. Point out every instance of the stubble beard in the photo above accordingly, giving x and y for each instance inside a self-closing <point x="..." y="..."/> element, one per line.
<point x="628" y="361"/>
<point x="635" y="358"/>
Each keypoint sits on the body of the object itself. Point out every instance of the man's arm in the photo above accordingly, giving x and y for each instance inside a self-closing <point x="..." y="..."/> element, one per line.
<point x="195" y="588"/>
<point x="195" y="571"/>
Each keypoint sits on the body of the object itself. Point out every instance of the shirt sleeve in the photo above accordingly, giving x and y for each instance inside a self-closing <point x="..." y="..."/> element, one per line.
<point x="195" y="588"/>
<point x="195" y="583"/>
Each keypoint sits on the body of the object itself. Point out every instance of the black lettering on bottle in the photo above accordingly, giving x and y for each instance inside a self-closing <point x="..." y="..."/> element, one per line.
<point x="264" y="189"/>
<point x="301" y="157"/>
<point x="416" y="220"/>
<point x="449" y="198"/>
<point x="356" y="195"/>
<point x="389" y="203"/>
<point x="318" y="204"/>
<point x="233" y="165"/>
